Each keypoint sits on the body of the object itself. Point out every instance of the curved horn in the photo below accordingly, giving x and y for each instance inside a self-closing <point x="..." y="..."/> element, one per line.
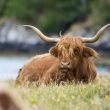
<point x="41" y="35"/>
<point x="97" y="36"/>
<point x="60" y="33"/>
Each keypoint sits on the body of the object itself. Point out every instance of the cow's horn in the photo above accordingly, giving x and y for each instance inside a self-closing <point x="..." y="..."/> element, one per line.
<point x="41" y="35"/>
<point x="97" y="36"/>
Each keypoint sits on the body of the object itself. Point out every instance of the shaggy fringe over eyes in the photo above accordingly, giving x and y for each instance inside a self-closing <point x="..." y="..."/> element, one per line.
<point x="69" y="52"/>
<point x="64" y="52"/>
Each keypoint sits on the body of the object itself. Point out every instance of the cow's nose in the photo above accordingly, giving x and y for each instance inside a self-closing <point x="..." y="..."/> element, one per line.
<point x="65" y="64"/>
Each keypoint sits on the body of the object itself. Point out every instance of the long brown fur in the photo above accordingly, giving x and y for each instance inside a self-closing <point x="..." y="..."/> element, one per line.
<point x="45" y="68"/>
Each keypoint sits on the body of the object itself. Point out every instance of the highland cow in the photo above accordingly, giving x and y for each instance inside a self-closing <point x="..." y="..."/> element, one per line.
<point x="69" y="60"/>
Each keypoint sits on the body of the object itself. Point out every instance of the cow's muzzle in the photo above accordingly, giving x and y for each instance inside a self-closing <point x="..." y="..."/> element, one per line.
<point x="65" y="66"/>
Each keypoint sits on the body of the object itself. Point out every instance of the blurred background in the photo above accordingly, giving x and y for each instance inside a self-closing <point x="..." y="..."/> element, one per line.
<point x="76" y="17"/>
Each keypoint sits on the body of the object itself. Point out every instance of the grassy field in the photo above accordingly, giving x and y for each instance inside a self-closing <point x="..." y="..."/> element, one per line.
<point x="93" y="96"/>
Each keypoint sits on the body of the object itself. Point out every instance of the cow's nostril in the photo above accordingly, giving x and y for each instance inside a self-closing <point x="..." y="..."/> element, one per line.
<point x="65" y="63"/>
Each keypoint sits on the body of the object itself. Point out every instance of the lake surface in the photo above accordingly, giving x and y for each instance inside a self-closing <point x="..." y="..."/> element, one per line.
<point x="10" y="64"/>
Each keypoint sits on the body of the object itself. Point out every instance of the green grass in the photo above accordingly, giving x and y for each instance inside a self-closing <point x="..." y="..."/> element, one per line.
<point x="93" y="96"/>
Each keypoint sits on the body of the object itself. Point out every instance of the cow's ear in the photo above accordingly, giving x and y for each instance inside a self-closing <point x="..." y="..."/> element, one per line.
<point x="89" y="52"/>
<point x="54" y="51"/>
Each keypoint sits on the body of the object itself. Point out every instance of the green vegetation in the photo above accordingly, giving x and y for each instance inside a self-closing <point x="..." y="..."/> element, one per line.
<point x="94" y="96"/>
<point x="54" y="15"/>
<point x="100" y="11"/>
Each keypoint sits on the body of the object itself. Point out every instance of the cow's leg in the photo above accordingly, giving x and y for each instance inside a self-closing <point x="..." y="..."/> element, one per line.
<point x="49" y="76"/>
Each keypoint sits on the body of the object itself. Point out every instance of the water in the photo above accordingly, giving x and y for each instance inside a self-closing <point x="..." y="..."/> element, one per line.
<point x="9" y="66"/>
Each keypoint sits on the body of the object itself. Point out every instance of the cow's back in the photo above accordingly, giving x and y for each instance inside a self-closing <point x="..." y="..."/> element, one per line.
<point x="36" y="67"/>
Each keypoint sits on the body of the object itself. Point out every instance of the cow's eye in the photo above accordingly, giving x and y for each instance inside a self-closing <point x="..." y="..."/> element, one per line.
<point x="76" y="51"/>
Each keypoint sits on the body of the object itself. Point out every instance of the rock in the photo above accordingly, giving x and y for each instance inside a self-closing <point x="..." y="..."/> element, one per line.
<point x="14" y="37"/>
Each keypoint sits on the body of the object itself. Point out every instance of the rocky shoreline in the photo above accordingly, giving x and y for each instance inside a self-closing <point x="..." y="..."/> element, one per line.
<point x="14" y="37"/>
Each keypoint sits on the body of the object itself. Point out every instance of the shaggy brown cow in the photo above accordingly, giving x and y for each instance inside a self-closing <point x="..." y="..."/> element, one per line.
<point x="68" y="60"/>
